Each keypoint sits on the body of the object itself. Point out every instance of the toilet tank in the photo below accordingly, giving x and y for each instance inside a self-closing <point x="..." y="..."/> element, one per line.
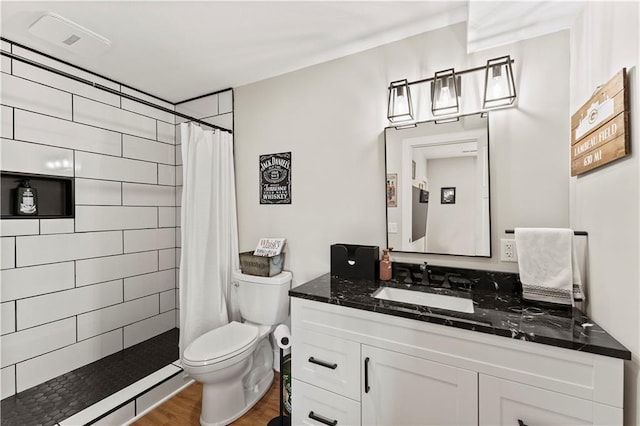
<point x="263" y="300"/>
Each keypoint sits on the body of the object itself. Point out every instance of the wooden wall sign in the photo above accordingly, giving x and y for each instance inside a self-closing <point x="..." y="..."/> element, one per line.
<point x="600" y="129"/>
<point x="275" y="178"/>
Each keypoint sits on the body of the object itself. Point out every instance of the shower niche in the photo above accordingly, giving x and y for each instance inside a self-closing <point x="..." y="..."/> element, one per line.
<point x="55" y="195"/>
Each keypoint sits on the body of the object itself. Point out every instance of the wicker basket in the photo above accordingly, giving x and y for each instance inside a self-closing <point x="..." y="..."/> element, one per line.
<point x="260" y="265"/>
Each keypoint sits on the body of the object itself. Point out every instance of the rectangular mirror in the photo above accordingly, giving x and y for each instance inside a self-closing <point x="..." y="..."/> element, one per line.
<point x="437" y="187"/>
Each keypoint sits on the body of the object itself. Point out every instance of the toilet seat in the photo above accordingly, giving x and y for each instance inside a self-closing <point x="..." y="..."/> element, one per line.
<point x="221" y="344"/>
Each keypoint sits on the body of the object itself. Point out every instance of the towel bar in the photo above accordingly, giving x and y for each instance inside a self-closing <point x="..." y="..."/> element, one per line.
<point x="585" y="233"/>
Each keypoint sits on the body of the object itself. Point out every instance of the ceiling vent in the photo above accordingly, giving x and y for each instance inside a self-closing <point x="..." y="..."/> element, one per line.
<point x="65" y="33"/>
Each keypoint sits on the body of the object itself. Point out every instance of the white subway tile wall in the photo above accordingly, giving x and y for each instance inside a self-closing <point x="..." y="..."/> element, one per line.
<point x="20" y="283"/>
<point x="52" y="364"/>
<point x="42" y="129"/>
<point x="7" y="252"/>
<point x="138" y="332"/>
<point x="167" y="300"/>
<point x="11" y="228"/>
<point x="50" y="307"/>
<point x="57" y="226"/>
<point x="101" y="269"/>
<point x="166" y="217"/>
<point x="153" y="283"/>
<point x="98" y="192"/>
<point x="35" y="341"/>
<point x="6" y="67"/>
<point x="76" y="290"/>
<point x="134" y="194"/>
<point x="166" y="175"/>
<point x="116" y="316"/>
<point x="32" y="158"/>
<point x="8" y="311"/>
<point x="106" y="218"/>
<point x="7" y="121"/>
<point x="167" y="259"/>
<point x="24" y="94"/>
<point x="8" y="378"/>
<point x="146" y="149"/>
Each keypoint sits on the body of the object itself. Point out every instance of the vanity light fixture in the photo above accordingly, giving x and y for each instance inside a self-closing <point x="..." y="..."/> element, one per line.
<point x="406" y="126"/>
<point x="445" y="93"/>
<point x="400" y="107"/>
<point x="499" y="91"/>
<point x="447" y="120"/>
<point x="499" y="88"/>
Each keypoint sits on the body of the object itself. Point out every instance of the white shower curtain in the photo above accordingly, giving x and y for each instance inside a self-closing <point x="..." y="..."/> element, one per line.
<point x="209" y="233"/>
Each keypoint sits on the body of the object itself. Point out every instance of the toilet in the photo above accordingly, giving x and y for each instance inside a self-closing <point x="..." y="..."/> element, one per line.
<point x="234" y="362"/>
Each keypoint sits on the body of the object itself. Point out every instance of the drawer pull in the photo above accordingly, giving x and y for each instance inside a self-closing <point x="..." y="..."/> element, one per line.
<point x="521" y="423"/>
<point x="321" y="419"/>
<point x="366" y="375"/>
<point x="312" y="360"/>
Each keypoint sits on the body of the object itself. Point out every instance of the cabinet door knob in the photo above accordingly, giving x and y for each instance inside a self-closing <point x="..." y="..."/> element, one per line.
<point x="366" y="375"/>
<point x="312" y="360"/>
<point x="521" y="423"/>
<point x="322" y="419"/>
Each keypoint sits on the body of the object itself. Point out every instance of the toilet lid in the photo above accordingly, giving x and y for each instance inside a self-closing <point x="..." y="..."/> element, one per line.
<point x="221" y="343"/>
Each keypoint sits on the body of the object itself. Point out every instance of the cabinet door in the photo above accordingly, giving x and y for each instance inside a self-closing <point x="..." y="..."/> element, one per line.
<point x="406" y="390"/>
<point x="318" y="407"/>
<point x="503" y="402"/>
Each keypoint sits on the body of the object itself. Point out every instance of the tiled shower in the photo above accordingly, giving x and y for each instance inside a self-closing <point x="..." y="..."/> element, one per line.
<point x="75" y="290"/>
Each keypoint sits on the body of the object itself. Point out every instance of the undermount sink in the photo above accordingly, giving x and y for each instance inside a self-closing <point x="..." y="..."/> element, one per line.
<point x="439" y="301"/>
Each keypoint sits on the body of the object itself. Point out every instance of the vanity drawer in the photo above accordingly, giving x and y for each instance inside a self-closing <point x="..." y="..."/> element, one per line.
<point x="315" y="406"/>
<point x="503" y="402"/>
<point x="326" y="361"/>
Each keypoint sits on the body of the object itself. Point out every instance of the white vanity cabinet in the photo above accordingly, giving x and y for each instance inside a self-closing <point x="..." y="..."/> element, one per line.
<point x="376" y="369"/>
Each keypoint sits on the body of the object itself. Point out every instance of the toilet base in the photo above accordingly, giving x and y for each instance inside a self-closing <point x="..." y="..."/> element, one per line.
<point x="229" y="393"/>
<point x="252" y="396"/>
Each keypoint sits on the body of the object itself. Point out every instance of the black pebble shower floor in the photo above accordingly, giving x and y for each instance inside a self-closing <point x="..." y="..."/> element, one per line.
<point x="63" y="396"/>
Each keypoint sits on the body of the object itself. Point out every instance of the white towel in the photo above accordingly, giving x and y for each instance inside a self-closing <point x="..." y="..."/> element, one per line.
<point x="548" y="265"/>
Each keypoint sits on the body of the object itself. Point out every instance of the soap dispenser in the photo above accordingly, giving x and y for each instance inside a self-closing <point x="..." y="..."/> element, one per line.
<point x="26" y="199"/>
<point x="385" y="266"/>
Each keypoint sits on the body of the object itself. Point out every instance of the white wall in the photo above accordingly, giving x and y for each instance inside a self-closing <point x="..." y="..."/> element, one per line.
<point x="605" y="202"/>
<point x="76" y="290"/>
<point x="332" y="117"/>
<point x="451" y="226"/>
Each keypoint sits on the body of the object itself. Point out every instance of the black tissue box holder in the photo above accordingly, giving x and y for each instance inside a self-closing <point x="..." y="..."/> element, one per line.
<point x="354" y="261"/>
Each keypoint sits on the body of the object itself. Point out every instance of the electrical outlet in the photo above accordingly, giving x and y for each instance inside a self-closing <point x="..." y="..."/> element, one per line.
<point x="508" y="251"/>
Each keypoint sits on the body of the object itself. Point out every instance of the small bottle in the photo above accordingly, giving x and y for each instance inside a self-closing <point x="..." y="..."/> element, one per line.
<point x="385" y="266"/>
<point x="26" y="199"/>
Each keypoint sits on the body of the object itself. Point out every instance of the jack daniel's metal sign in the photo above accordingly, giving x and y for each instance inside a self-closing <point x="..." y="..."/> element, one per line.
<point x="275" y="178"/>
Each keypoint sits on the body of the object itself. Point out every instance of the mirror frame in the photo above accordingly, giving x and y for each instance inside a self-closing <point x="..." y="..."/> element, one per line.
<point x="386" y="210"/>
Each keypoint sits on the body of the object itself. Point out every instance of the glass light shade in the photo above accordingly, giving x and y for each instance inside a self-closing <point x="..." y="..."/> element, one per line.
<point x="499" y="87"/>
<point x="400" y="107"/>
<point x="444" y="93"/>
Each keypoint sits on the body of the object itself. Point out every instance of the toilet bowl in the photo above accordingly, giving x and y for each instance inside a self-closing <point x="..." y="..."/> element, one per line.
<point x="234" y="362"/>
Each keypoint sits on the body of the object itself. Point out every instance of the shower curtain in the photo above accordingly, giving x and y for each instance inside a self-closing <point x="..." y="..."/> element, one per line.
<point x="209" y="233"/>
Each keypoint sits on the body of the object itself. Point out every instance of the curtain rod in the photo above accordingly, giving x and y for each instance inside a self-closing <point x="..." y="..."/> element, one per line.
<point x="110" y="90"/>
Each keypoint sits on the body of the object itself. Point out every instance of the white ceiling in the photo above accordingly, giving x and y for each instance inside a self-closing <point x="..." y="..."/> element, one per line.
<point x="180" y="49"/>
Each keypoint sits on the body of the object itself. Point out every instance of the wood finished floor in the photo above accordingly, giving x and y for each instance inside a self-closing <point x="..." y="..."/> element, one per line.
<point x="184" y="409"/>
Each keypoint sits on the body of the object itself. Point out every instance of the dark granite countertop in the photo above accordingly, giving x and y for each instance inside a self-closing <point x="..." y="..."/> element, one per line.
<point x="498" y="308"/>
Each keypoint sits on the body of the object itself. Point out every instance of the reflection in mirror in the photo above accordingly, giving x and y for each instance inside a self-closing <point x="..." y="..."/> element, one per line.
<point x="437" y="187"/>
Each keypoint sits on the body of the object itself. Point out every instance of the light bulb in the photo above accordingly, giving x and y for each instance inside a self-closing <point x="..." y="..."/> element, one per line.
<point x="401" y="105"/>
